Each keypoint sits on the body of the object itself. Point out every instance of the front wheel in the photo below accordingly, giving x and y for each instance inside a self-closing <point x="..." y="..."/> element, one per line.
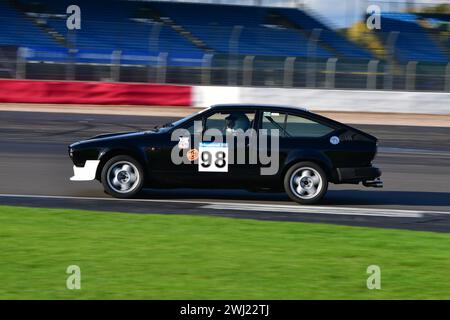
<point x="122" y="177"/>
<point x="305" y="183"/>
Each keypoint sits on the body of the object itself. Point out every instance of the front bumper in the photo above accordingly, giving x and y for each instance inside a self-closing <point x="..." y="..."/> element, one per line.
<point x="359" y="174"/>
<point x="86" y="173"/>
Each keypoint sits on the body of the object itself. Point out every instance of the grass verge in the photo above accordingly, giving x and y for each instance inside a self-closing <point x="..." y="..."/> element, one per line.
<point x="132" y="256"/>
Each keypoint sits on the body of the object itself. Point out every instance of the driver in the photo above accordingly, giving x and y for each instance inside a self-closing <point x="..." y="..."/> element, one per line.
<point x="237" y="121"/>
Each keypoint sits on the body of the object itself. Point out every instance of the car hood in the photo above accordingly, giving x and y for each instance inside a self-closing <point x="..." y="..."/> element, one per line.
<point x="117" y="134"/>
<point x="112" y="136"/>
<point x="122" y="135"/>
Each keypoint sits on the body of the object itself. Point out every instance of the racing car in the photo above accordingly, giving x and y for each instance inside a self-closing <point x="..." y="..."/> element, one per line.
<point x="254" y="147"/>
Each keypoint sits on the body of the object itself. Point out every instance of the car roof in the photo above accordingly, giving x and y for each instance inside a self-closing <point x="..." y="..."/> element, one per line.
<point x="256" y="106"/>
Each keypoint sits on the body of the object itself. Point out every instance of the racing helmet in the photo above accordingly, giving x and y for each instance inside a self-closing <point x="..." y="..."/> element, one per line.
<point x="236" y="121"/>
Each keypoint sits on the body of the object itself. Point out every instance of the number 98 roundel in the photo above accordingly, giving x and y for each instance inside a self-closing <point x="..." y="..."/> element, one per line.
<point x="213" y="157"/>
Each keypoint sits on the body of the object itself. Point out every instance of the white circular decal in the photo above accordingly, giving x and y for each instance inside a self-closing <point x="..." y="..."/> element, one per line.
<point x="334" y="140"/>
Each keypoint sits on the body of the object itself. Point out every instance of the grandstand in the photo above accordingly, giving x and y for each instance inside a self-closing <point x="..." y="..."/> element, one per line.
<point x="413" y="42"/>
<point x="17" y="30"/>
<point x="185" y="38"/>
<point x="183" y="28"/>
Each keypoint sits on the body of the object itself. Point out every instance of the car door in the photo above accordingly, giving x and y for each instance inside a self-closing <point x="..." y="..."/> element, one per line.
<point x="224" y="159"/>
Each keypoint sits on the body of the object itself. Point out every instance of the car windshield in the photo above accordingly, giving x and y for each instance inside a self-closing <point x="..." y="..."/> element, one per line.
<point x="183" y="120"/>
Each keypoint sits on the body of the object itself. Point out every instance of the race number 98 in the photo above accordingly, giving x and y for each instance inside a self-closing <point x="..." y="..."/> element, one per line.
<point x="213" y="157"/>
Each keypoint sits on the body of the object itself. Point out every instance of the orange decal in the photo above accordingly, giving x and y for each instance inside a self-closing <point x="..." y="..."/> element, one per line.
<point x="192" y="154"/>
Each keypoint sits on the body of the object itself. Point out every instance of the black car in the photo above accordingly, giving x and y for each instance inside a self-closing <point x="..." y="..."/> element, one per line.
<point x="232" y="146"/>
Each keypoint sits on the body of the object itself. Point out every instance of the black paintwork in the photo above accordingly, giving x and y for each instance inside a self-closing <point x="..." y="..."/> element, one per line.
<point x="347" y="162"/>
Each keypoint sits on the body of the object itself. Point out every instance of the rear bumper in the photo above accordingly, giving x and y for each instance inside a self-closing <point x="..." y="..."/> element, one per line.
<point x="358" y="174"/>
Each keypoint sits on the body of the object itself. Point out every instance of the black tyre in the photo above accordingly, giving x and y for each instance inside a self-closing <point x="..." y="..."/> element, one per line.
<point x="305" y="183"/>
<point x="122" y="177"/>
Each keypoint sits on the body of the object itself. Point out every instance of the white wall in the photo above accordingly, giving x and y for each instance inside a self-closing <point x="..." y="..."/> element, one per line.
<point x="330" y="100"/>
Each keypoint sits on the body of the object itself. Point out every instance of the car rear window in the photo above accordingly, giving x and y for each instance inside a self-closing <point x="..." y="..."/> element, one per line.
<point x="297" y="126"/>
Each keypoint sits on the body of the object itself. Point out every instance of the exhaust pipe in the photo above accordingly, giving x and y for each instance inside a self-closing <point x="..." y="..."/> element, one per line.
<point x="377" y="183"/>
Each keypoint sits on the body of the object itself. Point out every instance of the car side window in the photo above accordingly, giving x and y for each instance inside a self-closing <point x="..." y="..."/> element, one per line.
<point x="297" y="126"/>
<point x="230" y="121"/>
<point x="274" y="121"/>
<point x="216" y="121"/>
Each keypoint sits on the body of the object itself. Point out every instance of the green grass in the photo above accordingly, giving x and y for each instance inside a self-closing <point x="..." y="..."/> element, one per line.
<point x="191" y="257"/>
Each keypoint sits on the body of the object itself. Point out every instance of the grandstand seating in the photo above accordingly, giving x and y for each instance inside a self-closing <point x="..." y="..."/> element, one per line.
<point x="332" y="39"/>
<point x="16" y="29"/>
<point x="189" y="30"/>
<point x="413" y="43"/>
<point x="214" y="24"/>
<point x="115" y="30"/>
<point x="211" y="24"/>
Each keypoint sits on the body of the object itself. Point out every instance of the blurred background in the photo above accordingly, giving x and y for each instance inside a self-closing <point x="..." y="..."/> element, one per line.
<point x="276" y="43"/>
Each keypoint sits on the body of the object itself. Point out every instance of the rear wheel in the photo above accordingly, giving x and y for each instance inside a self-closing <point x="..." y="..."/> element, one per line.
<point x="305" y="183"/>
<point x="122" y="177"/>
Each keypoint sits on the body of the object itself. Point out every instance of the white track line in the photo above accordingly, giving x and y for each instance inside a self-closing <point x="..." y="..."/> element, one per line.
<point x="247" y="206"/>
<point x="322" y="210"/>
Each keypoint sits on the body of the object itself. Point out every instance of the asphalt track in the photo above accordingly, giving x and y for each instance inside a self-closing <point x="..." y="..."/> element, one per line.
<point x="35" y="171"/>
